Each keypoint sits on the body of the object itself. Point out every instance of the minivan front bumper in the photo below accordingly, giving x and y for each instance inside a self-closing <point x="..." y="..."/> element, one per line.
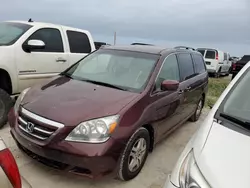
<point x="90" y="160"/>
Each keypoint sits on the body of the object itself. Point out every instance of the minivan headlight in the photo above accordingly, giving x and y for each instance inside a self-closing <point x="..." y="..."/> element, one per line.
<point x="20" y="99"/>
<point x="94" y="131"/>
<point x="190" y="175"/>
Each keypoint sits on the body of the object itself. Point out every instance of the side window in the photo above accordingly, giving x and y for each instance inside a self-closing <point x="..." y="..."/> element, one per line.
<point x="78" y="42"/>
<point x="225" y="56"/>
<point x="169" y="71"/>
<point x="51" y="37"/>
<point x="186" y="66"/>
<point x="199" y="63"/>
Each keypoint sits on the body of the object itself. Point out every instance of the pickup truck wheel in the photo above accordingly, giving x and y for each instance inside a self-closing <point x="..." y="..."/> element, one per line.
<point x="134" y="155"/>
<point x="5" y="105"/>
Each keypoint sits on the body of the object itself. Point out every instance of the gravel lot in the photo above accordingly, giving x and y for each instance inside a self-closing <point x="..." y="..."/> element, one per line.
<point x="159" y="164"/>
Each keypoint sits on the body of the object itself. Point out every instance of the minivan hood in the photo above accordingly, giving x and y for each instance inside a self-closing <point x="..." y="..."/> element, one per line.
<point x="224" y="159"/>
<point x="71" y="101"/>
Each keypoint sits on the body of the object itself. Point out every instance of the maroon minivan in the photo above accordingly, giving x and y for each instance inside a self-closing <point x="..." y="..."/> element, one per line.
<point x="107" y="111"/>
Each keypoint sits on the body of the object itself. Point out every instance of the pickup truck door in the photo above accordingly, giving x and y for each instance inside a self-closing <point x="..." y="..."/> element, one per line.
<point x="40" y="64"/>
<point x="80" y="43"/>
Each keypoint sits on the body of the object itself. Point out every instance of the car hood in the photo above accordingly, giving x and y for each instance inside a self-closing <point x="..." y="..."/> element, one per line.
<point x="224" y="159"/>
<point x="71" y="101"/>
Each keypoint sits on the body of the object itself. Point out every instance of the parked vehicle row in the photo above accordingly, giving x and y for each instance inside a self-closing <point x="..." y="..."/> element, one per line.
<point x="217" y="61"/>
<point x="105" y="113"/>
<point x="31" y="52"/>
<point x="218" y="154"/>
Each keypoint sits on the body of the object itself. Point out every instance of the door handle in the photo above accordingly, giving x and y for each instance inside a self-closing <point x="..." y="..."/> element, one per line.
<point x="60" y="59"/>
<point x="188" y="88"/>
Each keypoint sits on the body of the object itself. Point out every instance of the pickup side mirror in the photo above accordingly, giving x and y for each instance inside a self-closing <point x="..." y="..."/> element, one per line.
<point x="169" y="85"/>
<point x="34" y="45"/>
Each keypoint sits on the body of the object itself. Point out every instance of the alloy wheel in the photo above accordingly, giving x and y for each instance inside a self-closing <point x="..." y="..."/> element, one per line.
<point x="137" y="155"/>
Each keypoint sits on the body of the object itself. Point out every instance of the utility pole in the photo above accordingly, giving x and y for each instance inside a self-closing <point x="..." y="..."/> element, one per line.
<point x="115" y="38"/>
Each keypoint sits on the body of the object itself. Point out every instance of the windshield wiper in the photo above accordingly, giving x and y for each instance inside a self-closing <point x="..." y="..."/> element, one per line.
<point x="66" y="75"/>
<point x="245" y="124"/>
<point x="104" y="84"/>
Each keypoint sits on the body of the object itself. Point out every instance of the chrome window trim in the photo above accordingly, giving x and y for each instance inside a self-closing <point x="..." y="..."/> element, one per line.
<point x="41" y="119"/>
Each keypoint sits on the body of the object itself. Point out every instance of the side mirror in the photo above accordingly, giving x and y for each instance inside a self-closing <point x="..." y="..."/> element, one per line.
<point x="34" y="45"/>
<point x="169" y="85"/>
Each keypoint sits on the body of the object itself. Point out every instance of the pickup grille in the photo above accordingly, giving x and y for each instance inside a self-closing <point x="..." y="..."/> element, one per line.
<point x="35" y="126"/>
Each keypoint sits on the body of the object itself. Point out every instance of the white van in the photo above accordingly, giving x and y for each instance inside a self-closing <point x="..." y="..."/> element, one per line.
<point x="217" y="61"/>
<point x="31" y="52"/>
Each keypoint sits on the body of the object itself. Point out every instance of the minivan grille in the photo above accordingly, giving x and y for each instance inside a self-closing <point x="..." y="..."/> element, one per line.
<point x="35" y="126"/>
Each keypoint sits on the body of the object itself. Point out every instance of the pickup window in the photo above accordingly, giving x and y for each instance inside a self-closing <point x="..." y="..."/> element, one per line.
<point x="78" y="42"/>
<point x="51" y="37"/>
<point x="10" y="32"/>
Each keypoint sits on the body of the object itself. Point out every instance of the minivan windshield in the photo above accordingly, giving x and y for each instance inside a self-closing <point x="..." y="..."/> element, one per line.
<point x="236" y="105"/>
<point x="10" y="32"/>
<point x="119" y="69"/>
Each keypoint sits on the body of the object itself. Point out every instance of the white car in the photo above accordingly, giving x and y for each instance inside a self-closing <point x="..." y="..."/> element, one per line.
<point x="217" y="62"/>
<point x="218" y="154"/>
<point x="31" y="52"/>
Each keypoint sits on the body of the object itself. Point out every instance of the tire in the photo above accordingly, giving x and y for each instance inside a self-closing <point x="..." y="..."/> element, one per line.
<point x="126" y="172"/>
<point x="5" y="105"/>
<point x="217" y="74"/>
<point x="195" y="117"/>
<point x="233" y="75"/>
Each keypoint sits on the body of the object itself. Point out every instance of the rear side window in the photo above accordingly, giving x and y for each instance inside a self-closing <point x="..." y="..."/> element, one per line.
<point x="186" y="66"/>
<point x="199" y="63"/>
<point x="51" y="37"/>
<point x="78" y="42"/>
<point x="210" y="54"/>
<point x="201" y="51"/>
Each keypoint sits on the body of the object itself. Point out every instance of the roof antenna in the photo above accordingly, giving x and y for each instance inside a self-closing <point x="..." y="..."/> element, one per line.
<point x="30" y="20"/>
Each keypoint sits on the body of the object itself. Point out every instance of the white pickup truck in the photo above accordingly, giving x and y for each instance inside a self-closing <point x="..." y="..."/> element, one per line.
<point x="31" y="52"/>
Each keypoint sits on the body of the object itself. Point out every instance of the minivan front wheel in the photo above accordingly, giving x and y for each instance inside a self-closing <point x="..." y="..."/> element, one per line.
<point x="134" y="155"/>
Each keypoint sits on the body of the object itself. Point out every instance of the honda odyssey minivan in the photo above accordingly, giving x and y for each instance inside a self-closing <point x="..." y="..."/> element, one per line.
<point x="106" y="112"/>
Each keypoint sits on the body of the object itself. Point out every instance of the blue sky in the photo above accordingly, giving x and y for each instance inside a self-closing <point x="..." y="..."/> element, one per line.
<point x="223" y="24"/>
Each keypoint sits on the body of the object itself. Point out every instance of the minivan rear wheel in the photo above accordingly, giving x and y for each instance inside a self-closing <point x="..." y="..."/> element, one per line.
<point x="195" y="117"/>
<point x="134" y="155"/>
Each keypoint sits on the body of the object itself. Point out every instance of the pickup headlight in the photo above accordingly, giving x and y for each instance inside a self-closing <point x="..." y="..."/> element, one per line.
<point x="190" y="175"/>
<point x="19" y="99"/>
<point x="94" y="131"/>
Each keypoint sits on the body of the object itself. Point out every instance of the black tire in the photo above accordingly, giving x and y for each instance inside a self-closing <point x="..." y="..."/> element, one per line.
<point x="217" y="74"/>
<point x="195" y="117"/>
<point x="233" y="75"/>
<point x="124" y="173"/>
<point x="5" y="105"/>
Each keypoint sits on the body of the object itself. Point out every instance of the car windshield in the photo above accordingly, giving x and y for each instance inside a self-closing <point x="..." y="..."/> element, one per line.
<point x="124" y="70"/>
<point x="10" y="32"/>
<point x="236" y="105"/>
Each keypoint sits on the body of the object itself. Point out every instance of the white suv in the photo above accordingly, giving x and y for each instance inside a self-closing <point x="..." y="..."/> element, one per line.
<point x="31" y="52"/>
<point x="217" y="62"/>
